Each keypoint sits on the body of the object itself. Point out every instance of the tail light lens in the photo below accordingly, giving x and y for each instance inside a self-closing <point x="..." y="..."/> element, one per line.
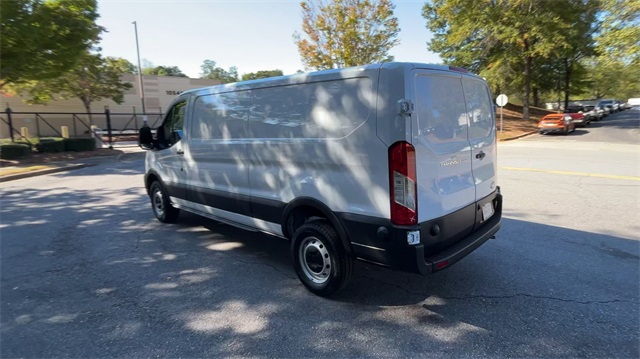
<point x="402" y="183"/>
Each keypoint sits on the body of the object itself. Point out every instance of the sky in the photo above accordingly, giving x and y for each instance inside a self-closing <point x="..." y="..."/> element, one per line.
<point x="251" y="35"/>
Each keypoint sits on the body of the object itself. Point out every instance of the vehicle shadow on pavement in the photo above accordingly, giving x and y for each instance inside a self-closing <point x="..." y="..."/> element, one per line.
<point x="90" y="273"/>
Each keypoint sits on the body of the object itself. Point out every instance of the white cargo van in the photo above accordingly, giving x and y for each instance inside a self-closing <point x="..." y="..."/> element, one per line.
<point x="393" y="164"/>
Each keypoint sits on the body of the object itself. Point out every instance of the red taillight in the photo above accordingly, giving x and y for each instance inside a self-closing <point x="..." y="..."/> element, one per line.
<point x="402" y="184"/>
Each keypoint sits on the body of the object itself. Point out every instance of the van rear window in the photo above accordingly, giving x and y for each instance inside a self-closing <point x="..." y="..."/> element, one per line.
<point x="441" y="108"/>
<point x="479" y="108"/>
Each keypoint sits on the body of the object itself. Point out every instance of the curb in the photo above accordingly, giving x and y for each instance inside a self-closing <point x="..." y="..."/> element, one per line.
<point x="47" y="171"/>
<point x="89" y="162"/>
<point x="519" y="136"/>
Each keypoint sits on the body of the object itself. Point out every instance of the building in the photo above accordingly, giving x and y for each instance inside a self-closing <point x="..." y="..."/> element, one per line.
<point x="159" y="91"/>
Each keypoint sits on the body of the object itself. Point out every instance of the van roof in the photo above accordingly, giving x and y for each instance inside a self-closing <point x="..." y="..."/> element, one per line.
<point x="324" y="75"/>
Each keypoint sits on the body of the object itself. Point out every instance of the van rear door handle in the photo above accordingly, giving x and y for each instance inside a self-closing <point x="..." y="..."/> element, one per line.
<point x="180" y="152"/>
<point x="480" y="155"/>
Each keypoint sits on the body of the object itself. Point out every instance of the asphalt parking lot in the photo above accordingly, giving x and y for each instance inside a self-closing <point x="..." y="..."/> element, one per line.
<point x="86" y="271"/>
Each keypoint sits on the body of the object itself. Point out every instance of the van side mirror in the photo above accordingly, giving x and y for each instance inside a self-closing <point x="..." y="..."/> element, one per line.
<point x="145" y="138"/>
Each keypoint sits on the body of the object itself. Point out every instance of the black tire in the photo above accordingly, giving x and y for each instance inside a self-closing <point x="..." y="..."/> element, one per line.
<point x="565" y="131"/>
<point x="320" y="260"/>
<point x="541" y="132"/>
<point x="162" y="208"/>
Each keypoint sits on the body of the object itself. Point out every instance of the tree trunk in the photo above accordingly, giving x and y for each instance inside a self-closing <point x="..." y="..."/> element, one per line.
<point x="527" y="83"/>
<point x="536" y="97"/>
<point x="567" y="79"/>
<point x="87" y="107"/>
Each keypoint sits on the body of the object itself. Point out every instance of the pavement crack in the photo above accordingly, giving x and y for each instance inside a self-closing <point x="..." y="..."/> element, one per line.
<point x="509" y="296"/>
<point x="465" y="297"/>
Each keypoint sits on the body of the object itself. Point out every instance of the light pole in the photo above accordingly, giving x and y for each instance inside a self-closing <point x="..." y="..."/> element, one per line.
<point x="144" y="112"/>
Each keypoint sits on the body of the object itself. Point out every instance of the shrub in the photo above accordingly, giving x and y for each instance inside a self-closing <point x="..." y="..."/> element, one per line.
<point x="12" y="151"/>
<point x="50" y="145"/>
<point x="79" y="144"/>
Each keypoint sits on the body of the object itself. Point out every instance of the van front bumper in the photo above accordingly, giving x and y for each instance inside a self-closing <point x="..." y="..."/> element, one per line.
<point x="443" y="241"/>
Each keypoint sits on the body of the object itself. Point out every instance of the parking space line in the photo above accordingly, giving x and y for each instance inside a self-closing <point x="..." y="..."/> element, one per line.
<point x="571" y="173"/>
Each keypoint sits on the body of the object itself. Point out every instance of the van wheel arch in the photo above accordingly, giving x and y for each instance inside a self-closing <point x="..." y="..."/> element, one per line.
<point x="303" y="209"/>
<point x="151" y="177"/>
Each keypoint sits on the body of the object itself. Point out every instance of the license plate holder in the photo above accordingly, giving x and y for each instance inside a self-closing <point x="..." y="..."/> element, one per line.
<point x="487" y="211"/>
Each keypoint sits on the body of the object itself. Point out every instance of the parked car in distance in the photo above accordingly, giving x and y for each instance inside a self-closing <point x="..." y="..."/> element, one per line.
<point x="587" y="114"/>
<point x="593" y="110"/>
<point x="579" y="119"/>
<point x="593" y="113"/>
<point x="633" y="102"/>
<point x="556" y="122"/>
<point x="615" y="106"/>
<point x="606" y="106"/>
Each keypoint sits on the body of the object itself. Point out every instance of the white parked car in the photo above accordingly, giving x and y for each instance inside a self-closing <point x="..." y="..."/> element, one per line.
<point x="393" y="164"/>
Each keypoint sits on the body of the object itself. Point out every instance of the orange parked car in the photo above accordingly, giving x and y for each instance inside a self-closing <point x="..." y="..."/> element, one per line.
<point x="557" y="122"/>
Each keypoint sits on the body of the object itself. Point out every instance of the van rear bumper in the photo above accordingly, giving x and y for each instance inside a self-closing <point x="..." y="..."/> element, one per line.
<point x="426" y="264"/>
<point x="461" y="232"/>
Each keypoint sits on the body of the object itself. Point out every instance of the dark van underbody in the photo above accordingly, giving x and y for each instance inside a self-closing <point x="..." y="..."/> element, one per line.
<point x="443" y="241"/>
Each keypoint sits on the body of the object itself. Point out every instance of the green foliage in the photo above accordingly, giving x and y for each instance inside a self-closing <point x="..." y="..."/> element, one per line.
<point x="506" y="41"/>
<point x="213" y="72"/>
<point x="261" y="74"/>
<point x="121" y="65"/>
<point x="49" y="145"/>
<point x="14" y="150"/>
<point x="43" y="39"/>
<point x="163" y="71"/>
<point x="343" y="33"/>
<point x="610" y="79"/>
<point x="619" y="36"/>
<point x="91" y="80"/>
<point x="79" y="144"/>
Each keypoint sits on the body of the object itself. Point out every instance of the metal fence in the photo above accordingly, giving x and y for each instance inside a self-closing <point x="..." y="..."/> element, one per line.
<point x="107" y="127"/>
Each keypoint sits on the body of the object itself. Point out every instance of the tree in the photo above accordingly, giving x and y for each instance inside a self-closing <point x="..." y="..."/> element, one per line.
<point x="610" y="78"/>
<point x="213" y="72"/>
<point x="92" y="79"/>
<point x="164" y="71"/>
<point x="261" y="74"/>
<point x="492" y="37"/>
<point x="43" y="39"/>
<point x="343" y="33"/>
<point x="619" y="35"/>
<point x="123" y="65"/>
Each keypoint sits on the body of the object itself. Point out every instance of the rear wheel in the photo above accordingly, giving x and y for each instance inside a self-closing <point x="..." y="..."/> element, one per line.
<point x="162" y="208"/>
<point x="565" y="131"/>
<point x="321" y="262"/>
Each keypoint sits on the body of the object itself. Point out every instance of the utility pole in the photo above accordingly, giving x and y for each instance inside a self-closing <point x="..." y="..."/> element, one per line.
<point x="144" y="112"/>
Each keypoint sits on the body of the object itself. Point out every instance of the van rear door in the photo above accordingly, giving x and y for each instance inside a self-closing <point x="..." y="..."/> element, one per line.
<point x="443" y="152"/>
<point x="482" y="134"/>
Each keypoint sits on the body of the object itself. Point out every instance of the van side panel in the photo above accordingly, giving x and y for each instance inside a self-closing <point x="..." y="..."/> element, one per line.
<point x="216" y="170"/>
<point x="315" y="140"/>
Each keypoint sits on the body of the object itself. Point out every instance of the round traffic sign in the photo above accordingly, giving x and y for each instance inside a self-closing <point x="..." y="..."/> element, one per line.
<point x="502" y="100"/>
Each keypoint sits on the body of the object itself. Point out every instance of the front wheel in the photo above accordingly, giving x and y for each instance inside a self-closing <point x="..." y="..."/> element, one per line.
<point x="321" y="262"/>
<point x="162" y="208"/>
